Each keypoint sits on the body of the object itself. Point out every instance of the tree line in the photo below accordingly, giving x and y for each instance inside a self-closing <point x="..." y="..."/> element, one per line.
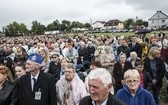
<point x="15" y="28"/>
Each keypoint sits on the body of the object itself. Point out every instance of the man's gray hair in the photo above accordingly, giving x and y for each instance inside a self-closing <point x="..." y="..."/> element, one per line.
<point x="101" y="73"/>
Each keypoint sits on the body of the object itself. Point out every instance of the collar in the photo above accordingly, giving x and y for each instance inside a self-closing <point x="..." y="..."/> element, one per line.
<point x="104" y="103"/>
<point x="35" y="76"/>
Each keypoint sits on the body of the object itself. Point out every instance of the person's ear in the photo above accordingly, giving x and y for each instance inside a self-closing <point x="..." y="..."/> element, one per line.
<point x="109" y="86"/>
<point x="37" y="65"/>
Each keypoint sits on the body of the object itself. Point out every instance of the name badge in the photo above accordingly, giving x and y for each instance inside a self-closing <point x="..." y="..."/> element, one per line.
<point x="38" y="95"/>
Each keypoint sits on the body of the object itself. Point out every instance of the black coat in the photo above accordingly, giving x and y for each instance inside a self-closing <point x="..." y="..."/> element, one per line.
<point x="118" y="74"/>
<point x="91" y="51"/>
<point x="55" y="69"/>
<point x="8" y="95"/>
<point x="124" y="49"/>
<point x="147" y="80"/>
<point x="45" y="83"/>
<point x="160" y="66"/>
<point x="112" y="100"/>
<point x="137" y="48"/>
<point x="83" y="52"/>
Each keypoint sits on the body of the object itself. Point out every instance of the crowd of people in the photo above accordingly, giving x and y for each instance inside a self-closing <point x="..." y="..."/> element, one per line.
<point x="83" y="70"/>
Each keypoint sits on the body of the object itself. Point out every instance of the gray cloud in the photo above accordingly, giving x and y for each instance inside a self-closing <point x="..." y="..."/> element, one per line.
<point x="46" y="11"/>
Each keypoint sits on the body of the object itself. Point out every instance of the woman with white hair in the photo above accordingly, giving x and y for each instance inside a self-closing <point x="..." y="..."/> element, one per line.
<point x="132" y="92"/>
<point x="119" y="69"/>
<point x="70" y="88"/>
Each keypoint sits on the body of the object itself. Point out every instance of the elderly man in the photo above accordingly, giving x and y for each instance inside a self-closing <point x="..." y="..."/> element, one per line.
<point x="100" y="84"/>
<point x="133" y="93"/>
<point x="107" y="59"/>
<point x="70" y="88"/>
<point x="71" y="53"/>
<point x="36" y="87"/>
<point x="133" y="57"/>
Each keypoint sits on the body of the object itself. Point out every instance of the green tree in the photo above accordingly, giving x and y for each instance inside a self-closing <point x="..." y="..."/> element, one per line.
<point x="65" y="26"/>
<point x="87" y="25"/>
<point x="23" y="29"/>
<point x="55" y="25"/>
<point x="37" y="28"/>
<point x="139" y="22"/>
<point x="51" y="27"/>
<point x="128" y="23"/>
<point x="76" y="24"/>
<point x="145" y="23"/>
<point x="14" y="29"/>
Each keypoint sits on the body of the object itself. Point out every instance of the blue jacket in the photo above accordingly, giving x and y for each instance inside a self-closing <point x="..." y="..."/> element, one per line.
<point x="142" y="97"/>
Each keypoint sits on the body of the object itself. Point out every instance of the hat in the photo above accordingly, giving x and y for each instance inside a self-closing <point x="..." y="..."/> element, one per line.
<point x="55" y="53"/>
<point x="36" y="58"/>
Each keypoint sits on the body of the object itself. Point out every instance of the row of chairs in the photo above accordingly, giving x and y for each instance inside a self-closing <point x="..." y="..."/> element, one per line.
<point x="83" y="69"/>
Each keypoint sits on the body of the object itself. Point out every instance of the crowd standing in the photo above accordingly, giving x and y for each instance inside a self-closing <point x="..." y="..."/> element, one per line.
<point x="83" y="70"/>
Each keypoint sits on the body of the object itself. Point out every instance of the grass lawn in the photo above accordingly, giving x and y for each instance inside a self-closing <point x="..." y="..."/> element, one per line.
<point x="126" y="34"/>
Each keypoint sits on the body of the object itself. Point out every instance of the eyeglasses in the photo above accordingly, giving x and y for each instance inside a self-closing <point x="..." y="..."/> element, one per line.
<point x="129" y="82"/>
<point x="54" y="57"/>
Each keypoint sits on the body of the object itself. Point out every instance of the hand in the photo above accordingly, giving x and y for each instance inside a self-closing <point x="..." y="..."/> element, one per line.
<point x="154" y="81"/>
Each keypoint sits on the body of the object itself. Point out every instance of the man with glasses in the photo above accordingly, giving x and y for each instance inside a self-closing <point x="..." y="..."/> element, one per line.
<point x="132" y="92"/>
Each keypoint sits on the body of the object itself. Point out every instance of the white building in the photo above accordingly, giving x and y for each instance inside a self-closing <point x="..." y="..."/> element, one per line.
<point x="108" y="26"/>
<point x="98" y="25"/>
<point x="158" y="20"/>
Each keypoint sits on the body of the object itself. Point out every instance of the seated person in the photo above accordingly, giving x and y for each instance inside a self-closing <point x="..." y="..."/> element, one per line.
<point x="146" y="79"/>
<point x="20" y="70"/>
<point x="132" y="92"/>
<point x="100" y="84"/>
<point x="70" y="88"/>
<point x="8" y="91"/>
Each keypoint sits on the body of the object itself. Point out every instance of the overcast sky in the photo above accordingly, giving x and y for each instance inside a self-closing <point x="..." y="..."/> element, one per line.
<point x="46" y="11"/>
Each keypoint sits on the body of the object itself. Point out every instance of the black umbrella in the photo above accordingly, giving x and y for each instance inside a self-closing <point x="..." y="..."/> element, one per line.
<point x="142" y="31"/>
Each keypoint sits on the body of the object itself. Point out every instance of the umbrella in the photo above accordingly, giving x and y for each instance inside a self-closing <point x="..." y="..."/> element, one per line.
<point x="142" y="31"/>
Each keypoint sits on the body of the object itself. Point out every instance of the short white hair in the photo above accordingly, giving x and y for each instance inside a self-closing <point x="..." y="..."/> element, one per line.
<point x="133" y="53"/>
<point x="101" y="73"/>
<point x="131" y="73"/>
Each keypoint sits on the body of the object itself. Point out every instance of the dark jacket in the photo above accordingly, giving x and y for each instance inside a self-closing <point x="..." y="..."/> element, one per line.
<point x="91" y="51"/>
<point x="55" y="69"/>
<point x="136" y="48"/>
<point x="160" y="66"/>
<point x="118" y="74"/>
<point x="83" y="52"/>
<point x="45" y="84"/>
<point x="8" y="95"/>
<point x="147" y="80"/>
<point x="124" y="49"/>
<point x="112" y="100"/>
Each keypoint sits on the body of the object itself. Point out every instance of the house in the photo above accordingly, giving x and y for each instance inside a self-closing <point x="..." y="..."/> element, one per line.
<point x="98" y="25"/>
<point x="158" y="20"/>
<point x="114" y="25"/>
<point x="109" y="26"/>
